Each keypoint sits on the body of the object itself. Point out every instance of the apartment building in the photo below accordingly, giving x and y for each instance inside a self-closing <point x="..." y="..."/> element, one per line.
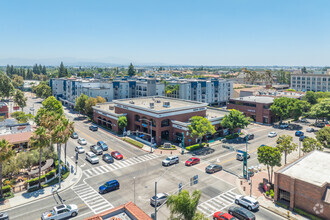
<point x="317" y="82"/>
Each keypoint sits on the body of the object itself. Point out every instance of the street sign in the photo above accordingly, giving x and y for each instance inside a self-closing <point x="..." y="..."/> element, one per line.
<point x="195" y="179"/>
<point x="77" y="157"/>
<point x="180" y="187"/>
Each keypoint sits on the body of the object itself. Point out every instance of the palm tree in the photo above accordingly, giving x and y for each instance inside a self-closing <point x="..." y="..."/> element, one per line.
<point x="5" y="153"/>
<point x="184" y="206"/>
<point x="40" y="140"/>
<point x="49" y="120"/>
<point x="69" y="129"/>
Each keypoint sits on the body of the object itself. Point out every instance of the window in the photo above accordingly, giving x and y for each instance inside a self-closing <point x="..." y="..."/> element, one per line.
<point x="165" y="123"/>
<point x="137" y="118"/>
<point x="284" y="195"/>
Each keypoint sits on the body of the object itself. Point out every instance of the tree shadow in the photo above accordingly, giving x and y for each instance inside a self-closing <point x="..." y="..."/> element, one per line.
<point x="34" y="194"/>
<point x="204" y="151"/>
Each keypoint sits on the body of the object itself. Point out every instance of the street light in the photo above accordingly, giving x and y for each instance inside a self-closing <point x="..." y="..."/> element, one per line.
<point x="149" y="121"/>
<point x="155" y="215"/>
<point x="134" y="189"/>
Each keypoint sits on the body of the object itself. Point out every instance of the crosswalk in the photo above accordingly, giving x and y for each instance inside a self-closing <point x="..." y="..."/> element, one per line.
<point x="217" y="203"/>
<point x="92" y="198"/>
<point x="118" y="165"/>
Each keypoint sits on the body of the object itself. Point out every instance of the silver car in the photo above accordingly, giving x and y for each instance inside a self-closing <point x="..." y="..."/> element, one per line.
<point x="82" y="141"/>
<point x="161" y="199"/>
<point x="80" y="149"/>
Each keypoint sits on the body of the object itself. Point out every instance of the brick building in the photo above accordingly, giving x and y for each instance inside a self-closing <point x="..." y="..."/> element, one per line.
<point x="3" y="110"/>
<point x="169" y="117"/>
<point x="255" y="107"/>
<point x="305" y="184"/>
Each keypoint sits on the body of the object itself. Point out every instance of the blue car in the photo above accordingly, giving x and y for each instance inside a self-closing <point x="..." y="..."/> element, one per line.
<point x="103" y="145"/>
<point x="109" y="186"/>
<point x="299" y="133"/>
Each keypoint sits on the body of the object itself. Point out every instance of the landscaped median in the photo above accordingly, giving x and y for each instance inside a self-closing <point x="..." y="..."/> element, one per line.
<point x="134" y="142"/>
<point x="173" y="147"/>
<point x="196" y="146"/>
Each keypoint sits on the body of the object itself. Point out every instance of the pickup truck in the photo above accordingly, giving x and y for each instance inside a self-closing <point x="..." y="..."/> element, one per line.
<point x="60" y="212"/>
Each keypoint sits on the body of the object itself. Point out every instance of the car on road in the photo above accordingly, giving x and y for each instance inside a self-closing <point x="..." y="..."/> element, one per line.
<point x="192" y="161"/>
<point x="320" y="124"/>
<point x="92" y="158"/>
<point x="82" y="141"/>
<point x="96" y="149"/>
<point x="240" y="156"/>
<point x="250" y="136"/>
<point x="223" y="216"/>
<point x="93" y="128"/>
<point x="303" y="120"/>
<point x="103" y="145"/>
<point x="284" y="125"/>
<point x="107" y="158"/>
<point x="4" y="216"/>
<point x="212" y="168"/>
<point x="117" y="155"/>
<point x="79" y="149"/>
<point x="301" y="138"/>
<point x="247" y="201"/>
<point x="310" y="129"/>
<point x="161" y="199"/>
<point x="299" y="133"/>
<point x="61" y="212"/>
<point x="241" y="213"/>
<point x="170" y="160"/>
<point x="272" y="134"/>
<point x="74" y="135"/>
<point x="109" y="186"/>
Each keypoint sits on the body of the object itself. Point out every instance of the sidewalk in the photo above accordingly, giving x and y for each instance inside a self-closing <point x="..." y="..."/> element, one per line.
<point x="27" y="197"/>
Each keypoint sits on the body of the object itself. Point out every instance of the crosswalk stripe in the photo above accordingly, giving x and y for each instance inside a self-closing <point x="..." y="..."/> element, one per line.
<point x="211" y="206"/>
<point x="218" y="202"/>
<point x="98" y="169"/>
<point x="109" y="167"/>
<point x="102" y="209"/>
<point x="102" y="168"/>
<point x="99" y="204"/>
<point x="85" y="194"/>
<point x="89" y="172"/>
<point x="226" y="199"/>
<point x="134" y="160"/>
<point x="129" y="162"/>
<point x="115" y="166"/>
<point x="89" y="196"/>
<point x="82" y="191"/>
<point x="120" y="165"/>
<point x="138" y="159"/>
<point x="81" y="186"/>
<point x="125" y="163"/>
<point x="231" y="193"/>
<point x="230" y="196"/>
<point x="149" y="156"/>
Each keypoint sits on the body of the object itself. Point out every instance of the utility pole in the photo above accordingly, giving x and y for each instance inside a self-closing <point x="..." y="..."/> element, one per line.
<point x="76" y="162"/>
<point x="155" y="217"/>
<point x="182" y="144"/>
<point x="134" y="189"/>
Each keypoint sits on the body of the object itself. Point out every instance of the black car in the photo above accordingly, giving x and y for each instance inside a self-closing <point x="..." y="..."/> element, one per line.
<point x="250" y="136"/>
<point x="96" y="150"/>
<point x="93" y="128"/>
<point x="212" y="168"/>
<point x="241" y="213"/>
<point x="107" y="158"/>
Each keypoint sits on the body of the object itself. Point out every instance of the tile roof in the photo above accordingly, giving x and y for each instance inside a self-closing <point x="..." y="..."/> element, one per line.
<point x="17" y="138"/>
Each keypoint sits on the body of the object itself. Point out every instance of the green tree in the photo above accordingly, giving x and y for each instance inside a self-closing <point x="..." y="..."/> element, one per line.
<point x="304" y="70"/>
<point x="282" y="107"/>
<point x="80" y="105"/>
<point x="200" y="126"/>
<point x="17" y="81"/>
<point x="68" y="131"/>
<point x="90" y="102"/>
<point x="311" y="144"/>
<point x="20" y="99"/>
<point x="321" y="110"/>
<point x="131" y="70"/>
<point x="5" y="153"/>
<point x="21" y="117"/>
<point x="43" y="90"/>
<point x="122" y="122"/>
<point x="323" y="136"/>
<point x="49" y="106"/>
<point x="6" y="86"/>
<point x="268" y="76"/>
<point x="62" y="71"/>
<point x="269" y="156"/>
<point x="285" y="145"/>
<point x="310" y="97"/>
<point x="184" y="206"/>
<point x="100" y="99"/>
<point x="40" y="140"/>
<point x="235" y="119"/>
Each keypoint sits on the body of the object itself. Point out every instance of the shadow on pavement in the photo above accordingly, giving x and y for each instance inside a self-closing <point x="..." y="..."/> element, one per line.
<point x="34" y="194"/>
<point x="203" y="151"/>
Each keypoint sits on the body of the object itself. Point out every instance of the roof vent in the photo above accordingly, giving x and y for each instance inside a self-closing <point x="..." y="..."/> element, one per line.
<point x="152" y="105"/>
<point x="131" y="102"/>
<point x="166" y="104"/>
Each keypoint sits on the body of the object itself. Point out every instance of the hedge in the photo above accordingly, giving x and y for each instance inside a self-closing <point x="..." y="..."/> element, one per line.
<point x="6" y="189"/>
<point x="195" y="147"/>
<point x="231" y="136"/>
<point x="134" y="142"/>
<point x="54" y="181"/>
<point x="173" y="147"/>
<point x="306" y="214"/>
<point x="282" y="205"/>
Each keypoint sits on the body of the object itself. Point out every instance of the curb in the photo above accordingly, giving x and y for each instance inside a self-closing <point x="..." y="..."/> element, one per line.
<point x="277" y="212"/>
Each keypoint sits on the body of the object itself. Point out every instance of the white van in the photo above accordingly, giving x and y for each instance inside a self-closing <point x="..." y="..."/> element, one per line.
<point x="92" y="158"/>
<point x="239" y="156"/>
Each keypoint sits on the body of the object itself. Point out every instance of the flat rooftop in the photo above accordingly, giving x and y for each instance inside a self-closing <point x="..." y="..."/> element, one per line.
<point x="257" y="99"/>
<point x="215" y="113"/>
<point x="313" y="168"/>
<point x="159" y="102"/>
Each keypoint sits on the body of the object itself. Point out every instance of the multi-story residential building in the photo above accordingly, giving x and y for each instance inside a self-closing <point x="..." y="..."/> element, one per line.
<point x="317" y="82"/>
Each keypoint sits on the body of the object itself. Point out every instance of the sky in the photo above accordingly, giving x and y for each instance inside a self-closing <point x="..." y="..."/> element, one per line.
<point x="169" y="32"/>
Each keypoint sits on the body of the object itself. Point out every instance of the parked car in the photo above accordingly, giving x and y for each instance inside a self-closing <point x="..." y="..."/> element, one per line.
<point x="93" y="128"/>
<point x="80" y="149"/>
<point x="301" y="138"/>
<point x="103" y="145"/>
<point x="247" y="201"/>
<point x="109" y="186"/>
<point x="250" y="136"/>
<point x="74" y="135"/>
<point x="299" y="133"/>
<point x="61" y="212"/>
<point x="272" y="134"/>
<point x="223" y="216"/>
<point x="82" y="141"/>
<point x="241" y="213"/>
<point x="4" y="216"/>
<point x="116" y="155"/>
<point x="303" y="120"/>
<point x="284" y="125"/>
<point x="320" y="124"/>
<point x="170" y="160"/>
<point x="96" y="149"/>
<point x="107" y="158"/>
<point x="310" y="129"/>
<point x="161" y="199"/>
<point x="92" y="158"/>
<point x="239" y="156"/>
<point x="192" y="161"/>
<point x="212" y="168"/>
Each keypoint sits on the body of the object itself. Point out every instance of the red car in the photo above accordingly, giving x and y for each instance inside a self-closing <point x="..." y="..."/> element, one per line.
<point x="222" y="216"/>
<point x="192" y="161"/>
<point x="116" y="155"/>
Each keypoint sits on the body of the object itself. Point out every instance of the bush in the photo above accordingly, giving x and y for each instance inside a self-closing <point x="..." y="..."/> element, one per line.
<point x="282" y="205"/>
<point x="231" y="136"/>
<point x="271" y="191"/>
<point x="172" y="148"/>
<point x="6" y="189"/>
<point x="272" y="194"/>
<point x="35" y="181"/>
<point x="267" y="193"/>
<point x="195" y="147"/>
<point x="306" y="214"/>
<point x="50" y="174"/>
<point x="134" y="142"/>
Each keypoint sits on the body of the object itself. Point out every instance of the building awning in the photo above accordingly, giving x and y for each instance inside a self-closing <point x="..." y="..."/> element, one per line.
<point x="327" y="195"/>
<point x="18" y="138"/>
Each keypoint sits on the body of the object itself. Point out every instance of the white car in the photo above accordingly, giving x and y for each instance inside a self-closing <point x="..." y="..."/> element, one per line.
<point x="247" y="201"/>
<point x="61" y="212"/>
<point x="283" y="126"/>
<point x="80" y="149"/>
<point x="272" y="134"/>
<point x="82" y="141"/>
<point x="310" y="129"/>
<point x="92" y="158"/>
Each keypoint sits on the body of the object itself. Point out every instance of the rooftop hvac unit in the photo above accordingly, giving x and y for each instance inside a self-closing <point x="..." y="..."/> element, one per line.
<point x="157" y="101"/>
<point x="152" y="105"/>
<point x="166" y="104"/>
<point x="131" y="102"/>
